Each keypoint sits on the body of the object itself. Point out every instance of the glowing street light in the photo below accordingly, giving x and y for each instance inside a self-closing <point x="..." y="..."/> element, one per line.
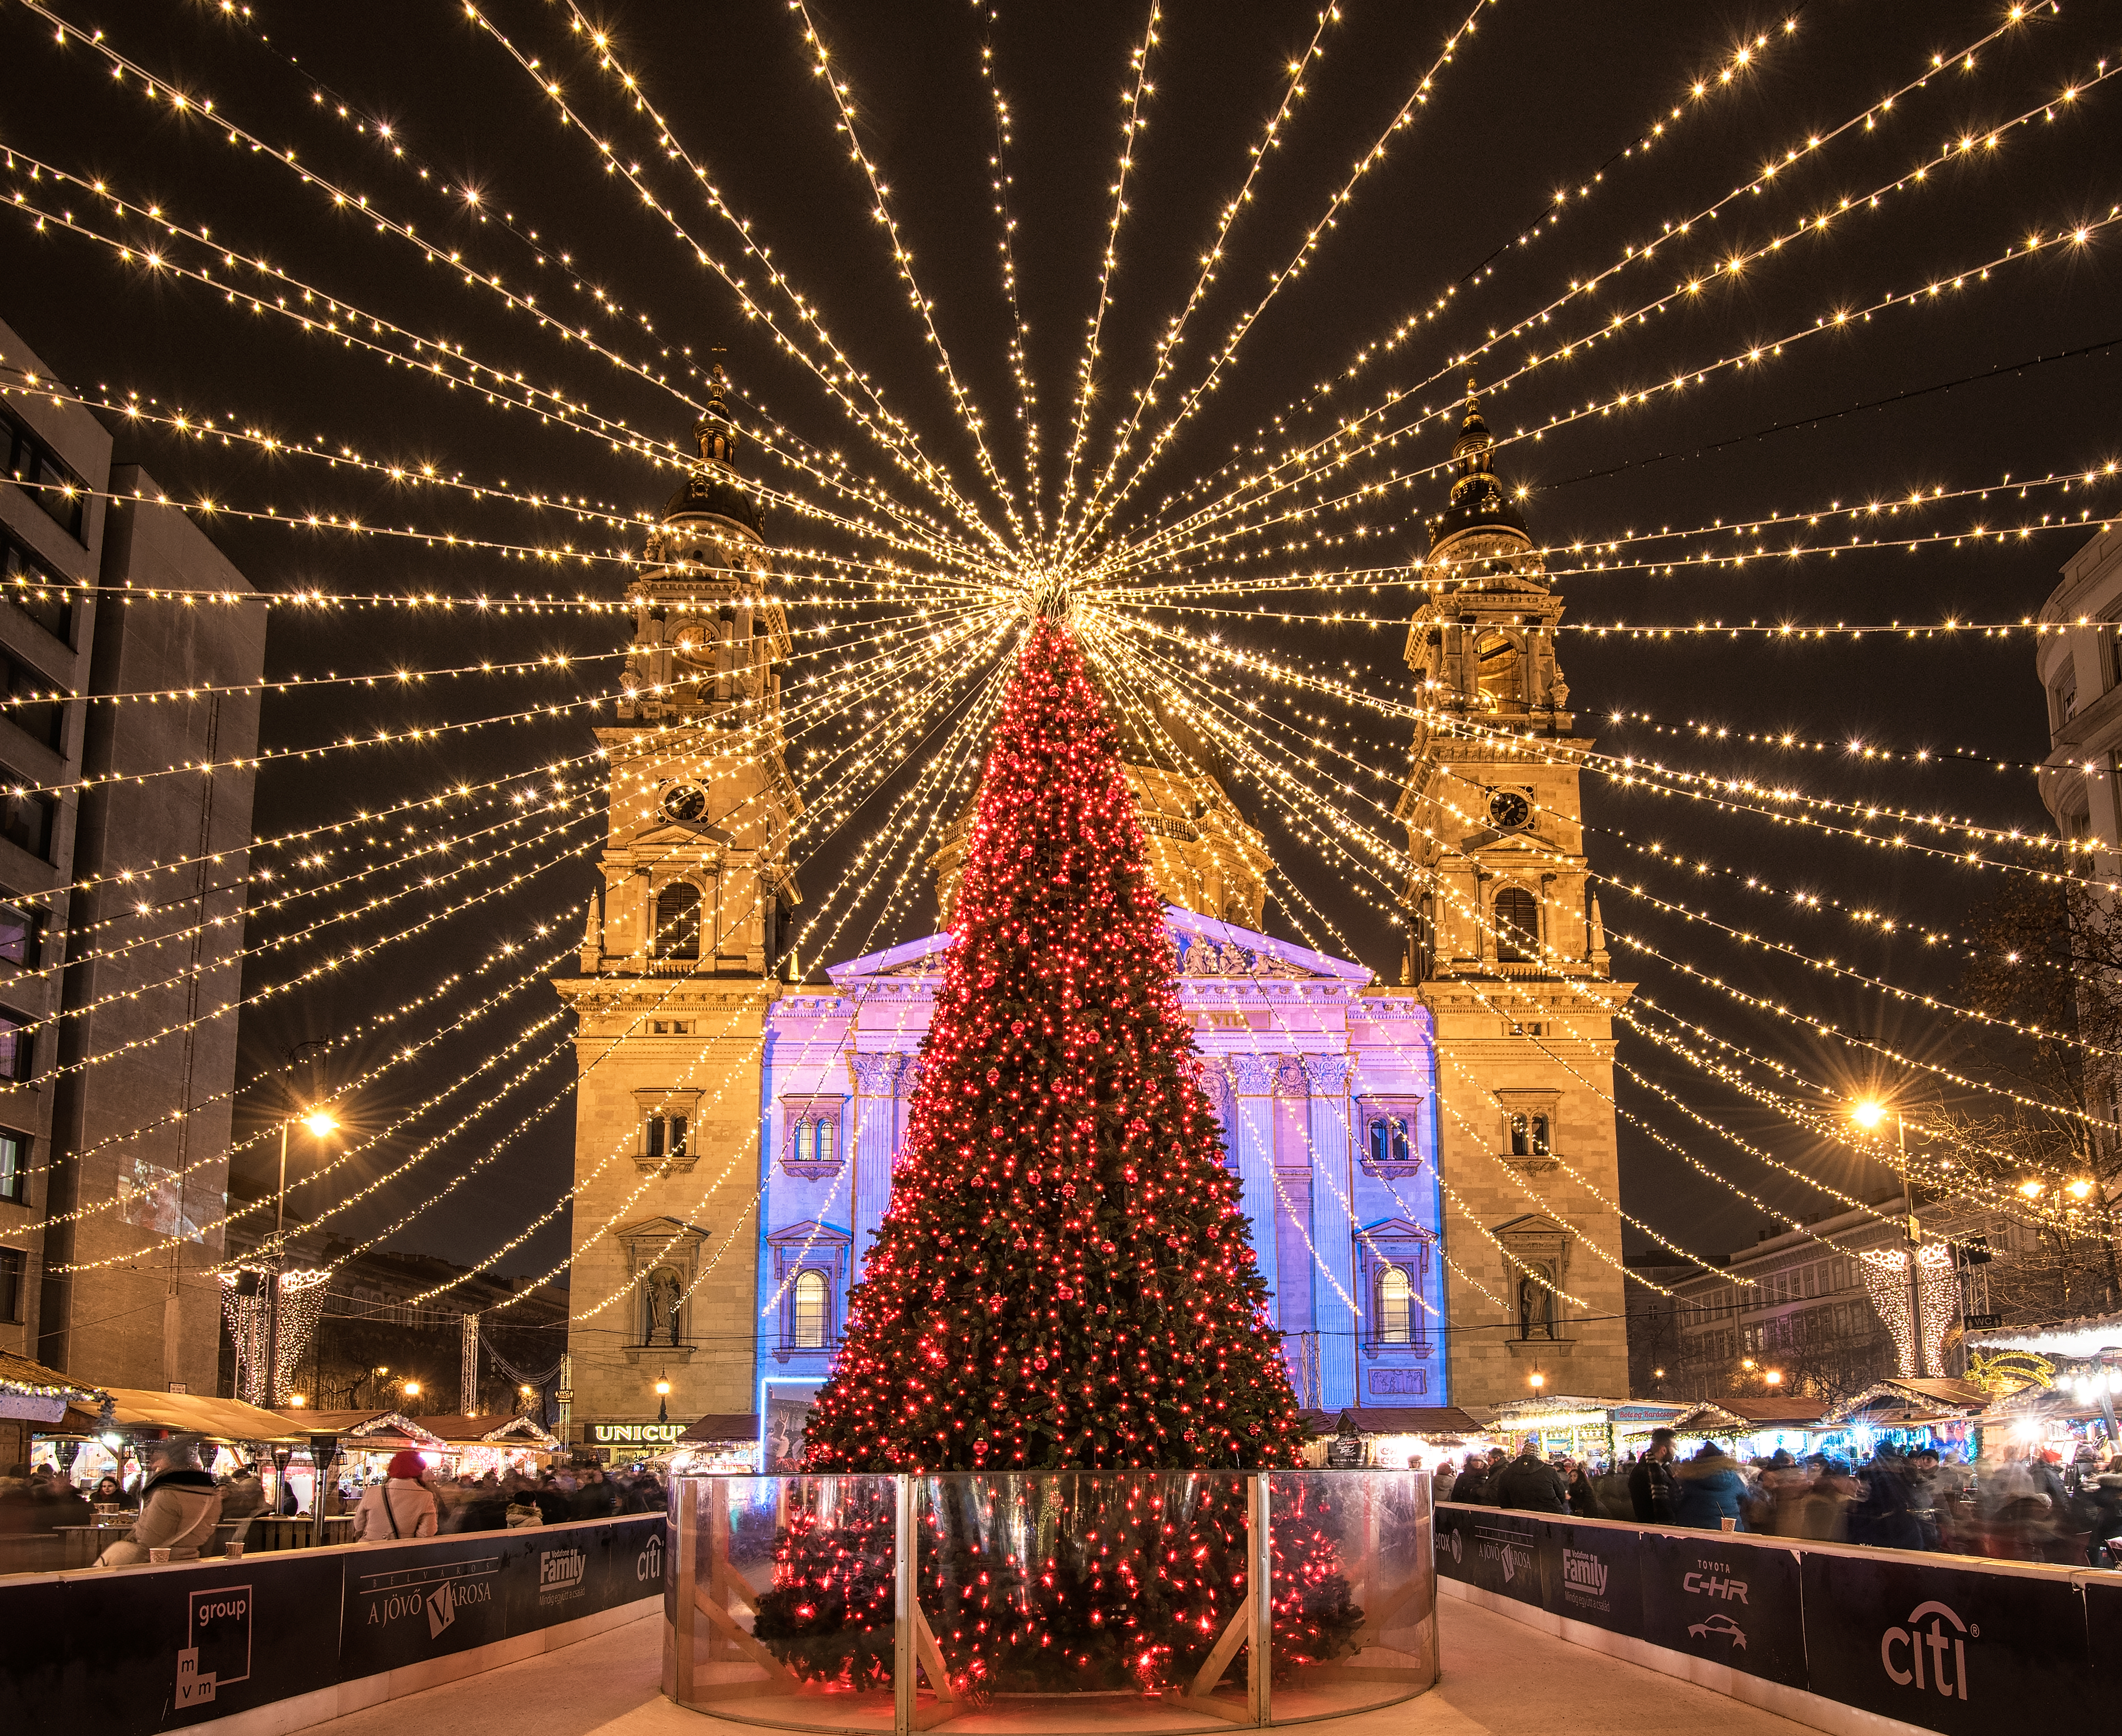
<point x="1870" y="1113"/>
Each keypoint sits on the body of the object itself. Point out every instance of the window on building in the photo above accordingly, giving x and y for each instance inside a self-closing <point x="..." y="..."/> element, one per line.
<point x="43" y="474"/>
<point x="1395" y="1307"/>
<point x="1500" y="682"/>
<point x="35" y="590"/>
<point x="2066" y="699"/>
<point x="824" y="1136"/>
<point x="16" y="1041"/>
<point x="678" y="922"/>
<point x="26" y="820"/>
<point x="11" y="1264"/>
<point x="1528" y="1136"/>
<point x="808" y="1309"/>
<point x="34" y="704"/>
<point x="19" y="928"/>
<point x="1388" y="1136"/>
<point x="664" y="1136"/>
<point x="14" y="1167"/>
<point x="1517" y="926"/>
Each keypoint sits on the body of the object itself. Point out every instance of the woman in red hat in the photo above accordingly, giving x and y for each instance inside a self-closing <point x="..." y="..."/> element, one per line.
<point x="400" y="1508"/>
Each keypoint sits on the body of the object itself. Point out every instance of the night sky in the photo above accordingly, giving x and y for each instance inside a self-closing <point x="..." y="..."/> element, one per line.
<point x="2014" y="376"/>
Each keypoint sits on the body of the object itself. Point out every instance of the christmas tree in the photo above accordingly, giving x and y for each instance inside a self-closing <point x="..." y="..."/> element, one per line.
<point x="1065" y="1282"/>
<point x="1065" y="1277"/>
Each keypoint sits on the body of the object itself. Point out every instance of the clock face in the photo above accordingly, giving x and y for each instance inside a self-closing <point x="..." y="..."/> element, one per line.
<point x="687" y="803"/>
<point x="1508" y="811"/>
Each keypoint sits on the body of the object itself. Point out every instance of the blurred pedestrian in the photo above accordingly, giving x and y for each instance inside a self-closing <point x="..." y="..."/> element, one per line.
<point x="179" y="1505"/>
<point x="1710" y="1490"/>
<point x="1653" y="1492"/>
<point x="1529" y="1484"/>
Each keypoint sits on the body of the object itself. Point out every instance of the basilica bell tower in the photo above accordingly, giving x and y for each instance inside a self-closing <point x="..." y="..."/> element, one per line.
<point x="679" y="965"/>
<point x="1508" y="951"/>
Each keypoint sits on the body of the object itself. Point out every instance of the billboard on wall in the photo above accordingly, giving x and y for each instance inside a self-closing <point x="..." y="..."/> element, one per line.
<point x="162" y="1648"/>
<point x="1713" y="1595"/>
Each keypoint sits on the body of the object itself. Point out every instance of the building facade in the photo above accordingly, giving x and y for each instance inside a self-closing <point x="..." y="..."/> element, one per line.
<point x="117" y="1022"/>
<point x="2080" y="671"/>
<point x="677" y="973"/>
<point x="735" y="1134"/>
<point x="1507" y="951"/>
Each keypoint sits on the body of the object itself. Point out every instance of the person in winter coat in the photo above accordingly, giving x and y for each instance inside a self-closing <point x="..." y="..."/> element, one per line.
<point x="596" y="1498"/>
<point x="179" y="1506"/>
<point x="1653" y="1490"/>
<point x="400" y="1507"/>
<point x="1474" y="1484"/>
<point x="1615" y="1500"/>
<point x="1711" y="1491"/>
<point x="1583" y="1498"/>
<point x="1529" y="1484"/>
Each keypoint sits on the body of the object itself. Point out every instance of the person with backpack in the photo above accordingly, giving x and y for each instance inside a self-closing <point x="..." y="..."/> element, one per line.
<point x="400" y="1507"/>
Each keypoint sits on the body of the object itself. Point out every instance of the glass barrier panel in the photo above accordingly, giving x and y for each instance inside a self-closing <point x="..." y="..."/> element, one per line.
<point x="1354" y="1603"/>
<point x="778" y="1602"/>
<point x="1083" y="1600"/>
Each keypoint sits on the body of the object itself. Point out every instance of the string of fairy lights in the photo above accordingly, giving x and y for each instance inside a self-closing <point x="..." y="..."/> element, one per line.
<point x="935" y="575"/>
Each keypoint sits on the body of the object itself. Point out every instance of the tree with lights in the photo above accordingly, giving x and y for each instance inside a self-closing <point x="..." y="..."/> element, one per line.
<point x="1064" y="1280"/>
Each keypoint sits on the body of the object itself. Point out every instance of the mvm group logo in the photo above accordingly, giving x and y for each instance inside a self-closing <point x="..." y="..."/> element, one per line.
<point x="216" y="1649"/>
<point x="1914" y="1657"/>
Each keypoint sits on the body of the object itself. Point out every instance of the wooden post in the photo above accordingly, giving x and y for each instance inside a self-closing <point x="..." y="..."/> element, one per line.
<point x="905" y="1582"/>
<point x="1259" y="1588"/>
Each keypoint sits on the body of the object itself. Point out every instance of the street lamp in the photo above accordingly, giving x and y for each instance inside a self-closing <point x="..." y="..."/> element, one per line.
<point x="663" y="1397"/>
<point x="321" y="1122"/>
<point x="1870" y="1114"/>
<point x="1774" y="1376"/>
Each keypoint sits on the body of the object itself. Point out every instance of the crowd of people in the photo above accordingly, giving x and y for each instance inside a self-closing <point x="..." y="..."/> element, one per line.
<point x="2025" y="1503"/>
<point x="177" y="1504"/>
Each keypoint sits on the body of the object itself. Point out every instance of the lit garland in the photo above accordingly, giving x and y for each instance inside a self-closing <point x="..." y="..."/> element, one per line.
<point x="302" y="1301"/>
<point x="1885" y="1273"/>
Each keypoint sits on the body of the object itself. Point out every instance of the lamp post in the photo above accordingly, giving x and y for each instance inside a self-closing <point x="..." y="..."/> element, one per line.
<point x="1868" y="1115"/>
<point x="663" y="1397"/>
<point x="321" y="1122"/>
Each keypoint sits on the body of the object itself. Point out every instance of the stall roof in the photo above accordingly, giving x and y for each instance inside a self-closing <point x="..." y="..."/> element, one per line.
<point x="1745" y="1416"/>
<point x="192" y="1413"/>
<point x="722" y="1425"/>
<point x="1956" y="1400"/>
<point x="373" y="1429"/>
<point x="29" y="1389"/>
<point x="2087" y="1334"/>
<point x="1413" y="1420"/>
<point x="496" y="1426"/>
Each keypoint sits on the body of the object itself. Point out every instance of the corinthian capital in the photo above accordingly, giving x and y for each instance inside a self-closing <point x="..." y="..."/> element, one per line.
<point x="1327" y="1075"/>
<point x="876" y="1075"/>
<point x="1251" y="1075"/>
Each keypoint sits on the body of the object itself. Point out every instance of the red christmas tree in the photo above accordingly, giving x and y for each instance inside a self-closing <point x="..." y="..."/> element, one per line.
<point x="1065" y="1282"/>
<point x="1064" y="1278"/>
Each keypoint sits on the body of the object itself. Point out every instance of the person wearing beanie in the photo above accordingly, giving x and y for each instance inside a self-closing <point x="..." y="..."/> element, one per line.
<point x="398" y="1509"/>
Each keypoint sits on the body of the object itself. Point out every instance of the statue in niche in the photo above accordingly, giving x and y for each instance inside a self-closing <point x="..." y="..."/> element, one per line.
<point x="1535" y="1307"/>
<point x="661" y="1295"/>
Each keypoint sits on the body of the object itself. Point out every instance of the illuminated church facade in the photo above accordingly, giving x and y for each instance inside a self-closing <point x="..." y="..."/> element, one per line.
<point x="1428" y="1167"/>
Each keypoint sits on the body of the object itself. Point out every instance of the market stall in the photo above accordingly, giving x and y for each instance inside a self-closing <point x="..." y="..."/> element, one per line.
<point x="475" y="1445"/>
<point x="724" y="1443"/>
<point x="1594" y="1430"/>
<point x="1393" y="1439"/>
<point x="1906" y="1414"/>
<point x="1748" y="1428"/>
<point x="357" y="1444"/>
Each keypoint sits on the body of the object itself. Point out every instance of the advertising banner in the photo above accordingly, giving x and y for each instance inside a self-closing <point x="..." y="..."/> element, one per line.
<point x="1712" y="1594"/>
<point x="2103" y="1631"/>
<point x="162" y="1648"/>
<point x="1961" y="1650"/>
<point x="1594" y="1574"/>
<point x="1488" y="1547"/>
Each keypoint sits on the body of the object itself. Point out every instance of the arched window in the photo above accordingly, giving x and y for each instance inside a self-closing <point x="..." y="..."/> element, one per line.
<point x="1395" y="1307"/>
<point x="807" y="1320"/>
<point x="678" y="922"/>
<point x="1389" y="1140"/>
<point x="1517" y="926"/>
<point x="1496" y="656"/>
<point x="1540" y="1143"/>
<point x="1521" y="1137"/>
<point x="824" y="1135"/>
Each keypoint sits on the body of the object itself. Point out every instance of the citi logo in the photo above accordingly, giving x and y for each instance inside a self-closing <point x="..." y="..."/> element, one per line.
<point x="648" y="1565"/>
<point x="1583" y="1572"/>
<point x="1901" y="1650"/>
<point x="561" y="1568"/>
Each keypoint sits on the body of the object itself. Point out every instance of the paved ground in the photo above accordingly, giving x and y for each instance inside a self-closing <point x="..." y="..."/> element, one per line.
<point x="1498" y="1678"/>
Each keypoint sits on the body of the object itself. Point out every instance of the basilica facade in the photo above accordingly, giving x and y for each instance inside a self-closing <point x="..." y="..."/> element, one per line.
<point x="1429" y="1167"/>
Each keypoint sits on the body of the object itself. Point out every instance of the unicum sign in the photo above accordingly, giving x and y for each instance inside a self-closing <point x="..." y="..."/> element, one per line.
<point x="1913" y="1655"/>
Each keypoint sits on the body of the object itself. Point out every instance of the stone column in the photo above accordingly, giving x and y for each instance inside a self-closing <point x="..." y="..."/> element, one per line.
<point x="876" y="1079"/>
<point x="1333" y="1228"/>
<point x="1252" y="1081"/>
